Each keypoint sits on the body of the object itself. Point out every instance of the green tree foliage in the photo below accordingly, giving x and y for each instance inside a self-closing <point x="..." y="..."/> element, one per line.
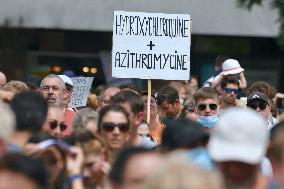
<point x="249" y="3"/>
<point x="275" y="4"/>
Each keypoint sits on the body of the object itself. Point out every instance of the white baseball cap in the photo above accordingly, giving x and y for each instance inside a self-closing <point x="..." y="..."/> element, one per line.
<point x="66" y="80"/>
<point x="239" y="135"/>
<point x="231" y="66"/>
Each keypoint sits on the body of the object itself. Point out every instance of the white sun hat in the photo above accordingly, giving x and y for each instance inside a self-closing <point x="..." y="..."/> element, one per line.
<point x="66" y="80"/>
<point x="231" y="66"/>
<point x="239" y="135"/>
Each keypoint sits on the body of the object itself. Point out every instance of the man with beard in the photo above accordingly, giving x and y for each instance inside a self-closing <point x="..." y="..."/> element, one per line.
<point x="53" y="89"/>
<point x="229" y="92"/>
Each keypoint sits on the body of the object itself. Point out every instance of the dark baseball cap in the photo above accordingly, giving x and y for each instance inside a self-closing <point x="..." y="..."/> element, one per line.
<point x="257" y="96"/>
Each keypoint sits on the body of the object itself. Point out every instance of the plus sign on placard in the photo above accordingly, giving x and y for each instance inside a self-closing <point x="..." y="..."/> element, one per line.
<point x="151" y="45"/>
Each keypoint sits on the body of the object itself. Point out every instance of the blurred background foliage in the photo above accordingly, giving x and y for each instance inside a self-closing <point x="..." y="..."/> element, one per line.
<point x="275" y="4"/>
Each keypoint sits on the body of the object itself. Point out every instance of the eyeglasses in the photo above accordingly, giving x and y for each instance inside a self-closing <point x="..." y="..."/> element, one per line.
<point x="202" y="107"/>
<point x="229" y="91"/>
<point x="254" y="105"/>
<point x="109" y="127"/>
<point x="47" y="87"/>
<point x="54" y="125"/>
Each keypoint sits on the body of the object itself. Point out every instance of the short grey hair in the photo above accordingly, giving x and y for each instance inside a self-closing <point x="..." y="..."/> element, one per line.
<point x="62" y="84"/>
<point x="83" y="116"/>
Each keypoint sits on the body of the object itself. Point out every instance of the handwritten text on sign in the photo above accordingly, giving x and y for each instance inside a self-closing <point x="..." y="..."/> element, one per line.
<point x="81" y="89"/>
<point x="151" y="46"/>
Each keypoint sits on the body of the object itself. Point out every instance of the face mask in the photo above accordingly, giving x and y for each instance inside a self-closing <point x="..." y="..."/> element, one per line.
<point x="207" y="121"/>
<point x="181" y="101"/>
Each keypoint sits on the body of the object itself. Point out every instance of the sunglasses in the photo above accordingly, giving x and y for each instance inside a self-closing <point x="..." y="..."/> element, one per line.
<point x="228" y="90"/>
<point x="188" y="107"/>
<point x="202" y="107"/>
<point x="109" y="127"/>
<point x="54" y="125"/>
<point x="254" y="105"/>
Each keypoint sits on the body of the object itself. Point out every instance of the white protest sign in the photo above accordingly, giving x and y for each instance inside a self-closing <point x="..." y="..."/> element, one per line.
<point x="81" y="89"/>
<point x="151" y="45"/>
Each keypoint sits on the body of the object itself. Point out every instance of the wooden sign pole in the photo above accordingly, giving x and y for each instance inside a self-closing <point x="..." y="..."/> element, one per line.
<point x="149" y="100"/>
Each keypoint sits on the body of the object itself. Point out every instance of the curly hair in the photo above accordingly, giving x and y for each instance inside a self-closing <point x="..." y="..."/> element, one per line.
<point x="263" y="87"/>
<point x="16" y="86"/>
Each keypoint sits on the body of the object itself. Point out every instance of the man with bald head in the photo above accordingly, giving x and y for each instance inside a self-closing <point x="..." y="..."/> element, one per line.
<point x="107" y="94"/>
<point x="53" y="89"/>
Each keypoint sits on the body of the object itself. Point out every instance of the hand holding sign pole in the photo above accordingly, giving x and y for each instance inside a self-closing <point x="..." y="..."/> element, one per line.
<point x="151" y="46"/>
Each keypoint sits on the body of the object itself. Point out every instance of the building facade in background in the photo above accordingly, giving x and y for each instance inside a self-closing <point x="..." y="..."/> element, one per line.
<point x="39" y="37"/>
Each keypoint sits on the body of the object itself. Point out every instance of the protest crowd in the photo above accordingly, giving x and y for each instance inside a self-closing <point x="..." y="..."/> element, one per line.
<point x="222" y="134"/>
